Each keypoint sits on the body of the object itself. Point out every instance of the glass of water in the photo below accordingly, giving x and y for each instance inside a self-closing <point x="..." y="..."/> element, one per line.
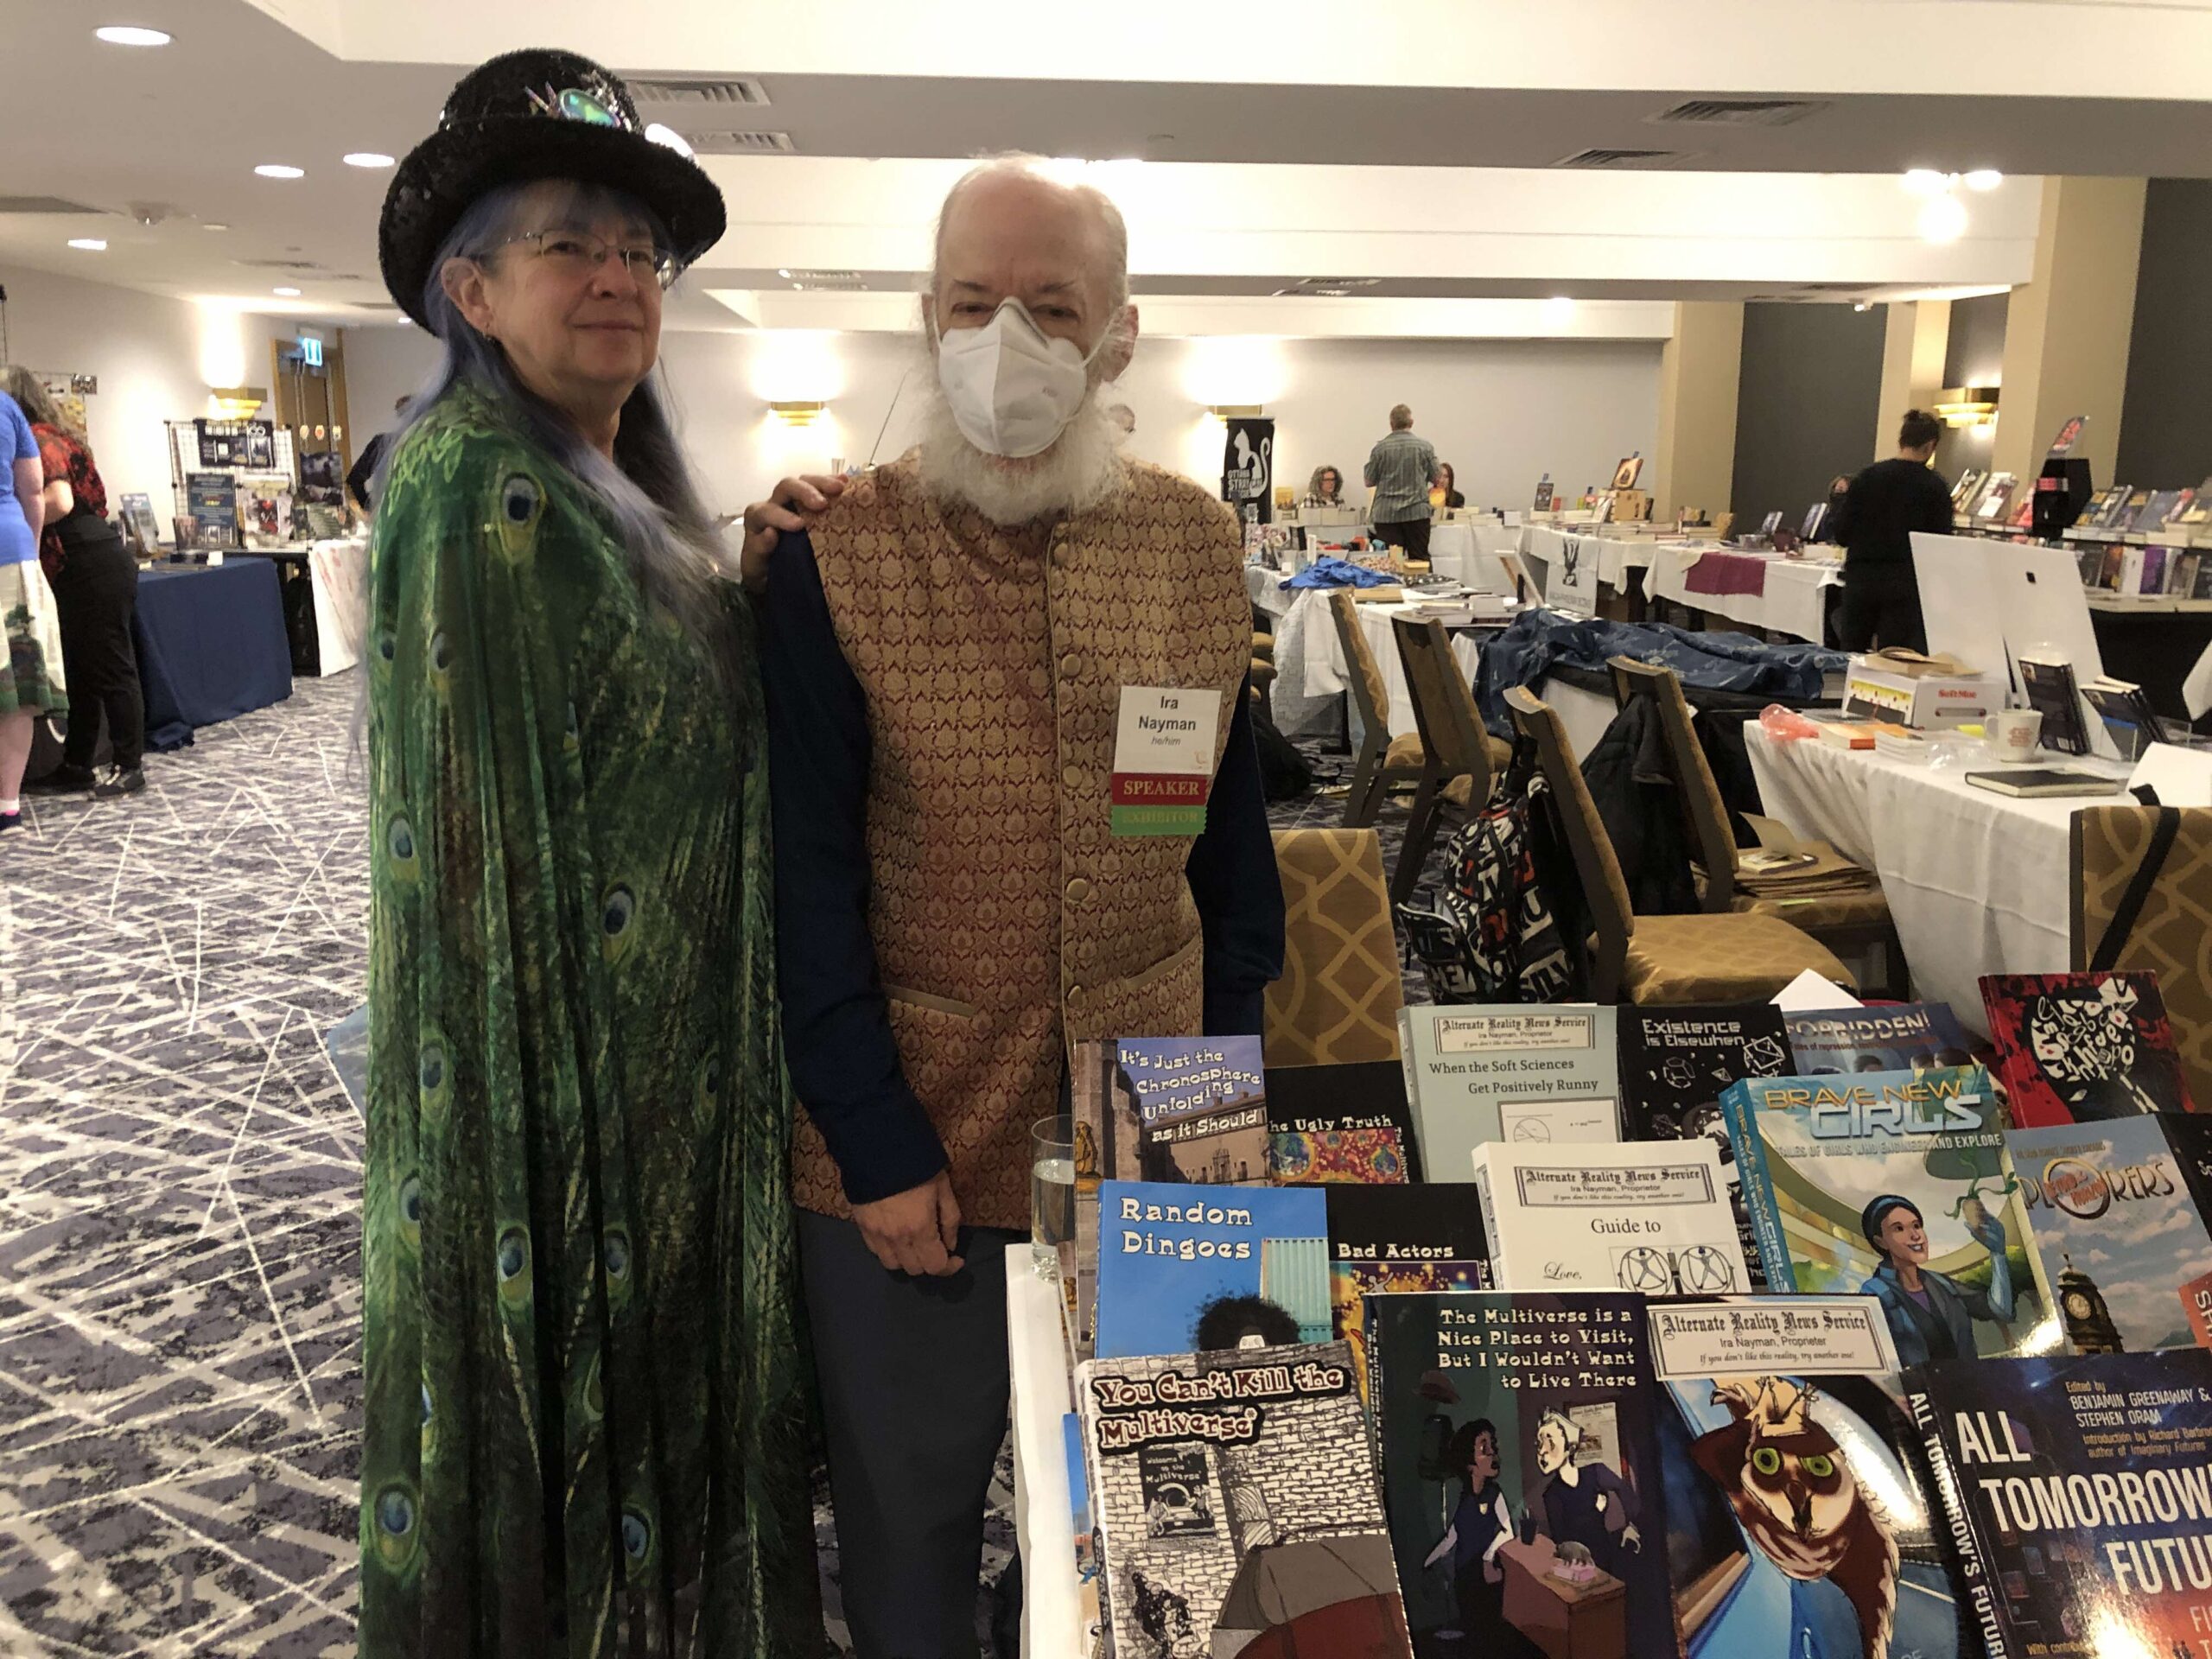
<point x="1051" y="1190"/>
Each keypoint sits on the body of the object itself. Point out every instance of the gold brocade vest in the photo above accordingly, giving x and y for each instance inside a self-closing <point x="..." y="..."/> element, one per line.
<point x="1009" y="920"/>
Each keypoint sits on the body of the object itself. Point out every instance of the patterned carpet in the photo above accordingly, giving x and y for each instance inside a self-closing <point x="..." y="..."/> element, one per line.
<point x="180" y="1235"/>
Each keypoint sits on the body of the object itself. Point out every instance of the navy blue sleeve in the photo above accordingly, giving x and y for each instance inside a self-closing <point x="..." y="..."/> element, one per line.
<point x="1237" y="887"/>
<point x="837" y="1038"/>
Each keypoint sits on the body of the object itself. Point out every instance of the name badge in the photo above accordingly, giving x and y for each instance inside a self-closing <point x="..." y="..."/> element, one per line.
<point x="1163" y="760"/>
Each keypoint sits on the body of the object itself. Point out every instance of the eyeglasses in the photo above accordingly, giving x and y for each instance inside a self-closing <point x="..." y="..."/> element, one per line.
<point x="573" y="253"/>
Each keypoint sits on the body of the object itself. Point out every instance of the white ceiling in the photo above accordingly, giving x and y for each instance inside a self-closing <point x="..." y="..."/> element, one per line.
<point x="1411" y="147"/>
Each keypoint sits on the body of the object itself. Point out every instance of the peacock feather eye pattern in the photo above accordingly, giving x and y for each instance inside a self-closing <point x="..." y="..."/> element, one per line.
<point x="393" y="1523"/>
<point x="521" y="503"/>
<point x="614" y="1256"/>
<point x="513" y="1261"/>
<point x="618" y="917"/>
<point x="399" y="848"/>
<point x="434" y="1075"/>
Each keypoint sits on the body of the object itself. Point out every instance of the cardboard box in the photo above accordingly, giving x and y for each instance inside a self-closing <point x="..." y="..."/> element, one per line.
<point x="1883" y="691"/>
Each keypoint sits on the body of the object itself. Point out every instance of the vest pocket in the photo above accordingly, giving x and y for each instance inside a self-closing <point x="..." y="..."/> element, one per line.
<point x="930" y="1004"/>
<point x="1189" y="959"/>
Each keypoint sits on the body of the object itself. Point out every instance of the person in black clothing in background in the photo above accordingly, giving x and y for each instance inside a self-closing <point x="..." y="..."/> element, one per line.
<point x="365" y="465"/>
<point x="1874" y="524"/>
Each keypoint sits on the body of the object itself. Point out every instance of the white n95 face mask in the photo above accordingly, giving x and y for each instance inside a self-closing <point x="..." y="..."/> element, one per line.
<point x="1013" y="389"/>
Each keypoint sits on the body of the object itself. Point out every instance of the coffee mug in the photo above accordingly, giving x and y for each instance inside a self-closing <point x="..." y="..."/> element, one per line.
<point x="2012" y="733"/>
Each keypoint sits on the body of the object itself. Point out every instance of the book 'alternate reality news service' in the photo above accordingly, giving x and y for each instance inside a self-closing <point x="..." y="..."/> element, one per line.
<point x="2117" y="1231"/>
<point x="1799" y="1517"/>
<point x="1186" y="1270"/>
<point x="1476" y="1074"/>
<point x="2074" y="1048"/>
<point x="1383" y="1241"/>
<point x="2080" y="1493"/>
<point x="1675" y="1061"/>
<point x="1894" y="1185"/>
<point x="1340" y="1123"/>
<point x="1521" y="1474"/>
<point x="1651" y="1217"/>
<point x="1908" y="1037"/>
<point x="1238" y="1507"/>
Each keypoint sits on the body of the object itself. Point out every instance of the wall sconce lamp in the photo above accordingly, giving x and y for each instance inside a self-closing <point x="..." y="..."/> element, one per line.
<point x="236" y="403"/>
<point x="1967" y="405"/>
<point x="1227" y="412"/>
<point x="797" y="414"/>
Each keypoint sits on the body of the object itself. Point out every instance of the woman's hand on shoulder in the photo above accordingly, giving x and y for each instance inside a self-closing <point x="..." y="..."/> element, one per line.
<point x="797" y="504"/>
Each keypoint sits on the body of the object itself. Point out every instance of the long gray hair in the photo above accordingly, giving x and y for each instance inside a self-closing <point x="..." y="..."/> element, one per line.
<point x="647" y="490"/>
<point x="37" y="403"/>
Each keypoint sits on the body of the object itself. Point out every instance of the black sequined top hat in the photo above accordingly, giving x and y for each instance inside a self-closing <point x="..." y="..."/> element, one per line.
<point x="535" y="114"/>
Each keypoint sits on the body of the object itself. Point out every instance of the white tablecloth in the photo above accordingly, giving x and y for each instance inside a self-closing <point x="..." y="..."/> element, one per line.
<point x="1310" y="666"/>
<point x="1616" y="558"/>
<point x="1052" y="1626"/>
<point x="1976" y="882"/>
<point x="1795" y="601"/>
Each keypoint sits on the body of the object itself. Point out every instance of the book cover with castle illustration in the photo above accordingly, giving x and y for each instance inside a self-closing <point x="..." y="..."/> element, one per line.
<point x="1237" y="1508"/>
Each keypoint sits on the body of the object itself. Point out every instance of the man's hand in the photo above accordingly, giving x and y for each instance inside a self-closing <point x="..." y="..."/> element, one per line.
<point x="915" y="1232"/>
<point x="798" y="503"/>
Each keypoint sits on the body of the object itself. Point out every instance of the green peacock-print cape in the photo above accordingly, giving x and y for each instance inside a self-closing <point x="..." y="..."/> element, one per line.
<point x="584" y="1429"/>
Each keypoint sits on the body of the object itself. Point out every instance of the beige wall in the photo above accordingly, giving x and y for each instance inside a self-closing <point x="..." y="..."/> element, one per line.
<point x="1695" y="462"/>
<point x="2067" y="334"/>
<point x="1917" y="333"/>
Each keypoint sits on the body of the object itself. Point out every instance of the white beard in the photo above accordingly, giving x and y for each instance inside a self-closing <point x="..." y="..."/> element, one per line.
<point x="1079" y="471"/>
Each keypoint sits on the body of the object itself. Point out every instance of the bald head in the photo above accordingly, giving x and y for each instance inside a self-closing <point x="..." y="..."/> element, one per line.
<point x="1006" y="231"/>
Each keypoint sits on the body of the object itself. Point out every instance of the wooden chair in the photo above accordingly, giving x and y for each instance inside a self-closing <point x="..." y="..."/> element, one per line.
<point x="1338" y="998"/>
<point x="1736" y="957"/>
<point x="1848" y="923"/>
<point x="1459" y="758"/>
<point x="2172" y="934"/>
<point x="1380" y="763"/>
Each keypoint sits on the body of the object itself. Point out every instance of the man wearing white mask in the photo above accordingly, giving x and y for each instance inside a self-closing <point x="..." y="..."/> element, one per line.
<point x="1017" y="805"/>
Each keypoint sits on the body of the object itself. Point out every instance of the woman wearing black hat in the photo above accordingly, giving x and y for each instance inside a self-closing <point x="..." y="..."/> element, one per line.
<point x="584" y="1428"/>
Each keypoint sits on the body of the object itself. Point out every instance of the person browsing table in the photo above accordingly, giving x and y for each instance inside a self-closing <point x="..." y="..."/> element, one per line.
<point x="1402" y="469"/>
<point x="1874" y="524"/>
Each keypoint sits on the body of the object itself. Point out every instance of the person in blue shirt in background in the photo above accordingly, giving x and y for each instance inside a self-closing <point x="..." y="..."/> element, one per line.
<point x="30" y="675"/>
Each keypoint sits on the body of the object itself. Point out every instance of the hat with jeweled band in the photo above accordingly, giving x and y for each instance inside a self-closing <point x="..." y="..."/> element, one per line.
<point x="535" y="114"/>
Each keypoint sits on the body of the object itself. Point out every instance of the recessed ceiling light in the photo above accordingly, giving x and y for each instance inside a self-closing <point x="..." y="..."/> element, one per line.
<point x="278" y="170"/>
<point x="368" y="158"/>
<point x="286" y="293"/>
<point x="89" y="243"/>
<point x="1927" y="182"/>
<point x="212" y="226"/>
<point x="129" y="35"/>
<point x="669" y="136"/>
<point x="1983" y="178"/>
<point x="785" y="275"/>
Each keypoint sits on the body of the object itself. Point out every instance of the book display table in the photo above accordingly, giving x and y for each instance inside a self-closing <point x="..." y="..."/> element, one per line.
<point x="1977" y="881"/>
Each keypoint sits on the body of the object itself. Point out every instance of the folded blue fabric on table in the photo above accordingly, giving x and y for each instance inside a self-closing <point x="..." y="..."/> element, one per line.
<point x="1539" y="641"/>
<point x="1326" y="572"/>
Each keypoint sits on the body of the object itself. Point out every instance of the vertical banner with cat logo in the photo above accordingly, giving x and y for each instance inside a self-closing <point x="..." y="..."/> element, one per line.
<point x="1247" y="468"/>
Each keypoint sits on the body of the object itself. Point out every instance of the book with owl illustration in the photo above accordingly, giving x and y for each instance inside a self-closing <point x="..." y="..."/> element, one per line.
<point x="1894" y="1185"/>
<point x="2079" y="1488"/>
<point x="1675" y="1061"/>
<point x="1801" y="1518"/>
<point x="1517" y="1438"/>
<point x="1897" y="1037"/>
<point x="2117" y="1230"/>
<point x="1340" y="1123"/>
<point x="1651" y="1217"/>
<point x="2076" y="1047"/>
<point x="1237" y="1508"/>
<point x="1187" y="1268"/>
<point x="1385" y="1240"/>
<point x="1529" y="1074"/>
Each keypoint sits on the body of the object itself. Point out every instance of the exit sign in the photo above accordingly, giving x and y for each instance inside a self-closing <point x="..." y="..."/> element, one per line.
<point x="310" y="351"/>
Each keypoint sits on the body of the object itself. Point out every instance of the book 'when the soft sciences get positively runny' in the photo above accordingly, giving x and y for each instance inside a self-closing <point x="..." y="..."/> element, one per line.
<point x="1895" y="1185"/>
<point x="2079" y="1490"/>
<point x="1520" y="1473"/>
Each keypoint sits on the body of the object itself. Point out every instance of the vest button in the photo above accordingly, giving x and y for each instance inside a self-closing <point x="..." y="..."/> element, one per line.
<point x="1079" y="892"/>
<point x="1072" y="664"/>
<point x="1072" y="776"/>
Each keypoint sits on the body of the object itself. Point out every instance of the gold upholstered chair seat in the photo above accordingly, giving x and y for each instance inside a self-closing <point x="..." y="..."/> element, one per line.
<point x="1732" y="958"/>
<point x="1408" y="752"/>
<point x="1820" y="912"/>
<point x="1338" y="998"/>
